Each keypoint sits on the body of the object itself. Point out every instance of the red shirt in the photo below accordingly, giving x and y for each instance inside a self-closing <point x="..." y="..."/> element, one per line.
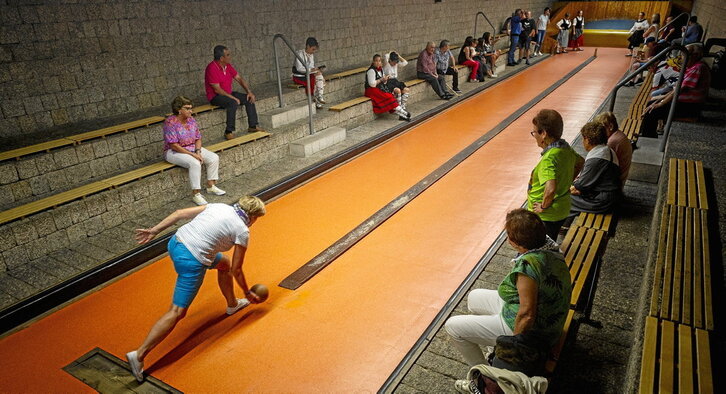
<point x="216" y="74"/>
<point x="696" y="80"/>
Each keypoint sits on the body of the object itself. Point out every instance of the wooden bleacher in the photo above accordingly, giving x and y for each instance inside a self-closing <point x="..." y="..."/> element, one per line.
<point x="112" y="182"/>
<point x="631" y="125"/>
<point x="676" y="349"/>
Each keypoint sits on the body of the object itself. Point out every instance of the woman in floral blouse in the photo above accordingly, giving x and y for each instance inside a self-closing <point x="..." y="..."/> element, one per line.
<point x="183" y="147"/>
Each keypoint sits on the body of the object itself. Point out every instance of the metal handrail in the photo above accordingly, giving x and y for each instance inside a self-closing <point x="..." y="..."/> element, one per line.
<point x="673" y="20"/>
<point x="307" y="77"/>
<point x="476" y="21"/>
<point x="677" y="88"/>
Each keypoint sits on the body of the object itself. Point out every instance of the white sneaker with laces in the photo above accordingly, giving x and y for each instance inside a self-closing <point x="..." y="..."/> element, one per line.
<point x="199" y="199"/>
<point x="216" y="191"/>
<point x="137" y="367"/>
<point x="241" y="304"/>
<point x="493" y="76"/>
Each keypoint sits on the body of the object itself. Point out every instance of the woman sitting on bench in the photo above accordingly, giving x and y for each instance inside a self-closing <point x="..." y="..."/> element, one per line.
<point x="597" y="188"/>
<point x="380" y="92"/>
<point x="534" y="297"/>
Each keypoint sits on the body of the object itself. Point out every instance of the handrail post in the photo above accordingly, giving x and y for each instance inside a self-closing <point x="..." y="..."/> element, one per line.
<point x="674" y="101"/>
<point x="307" y="78"/>
<point x="476" y="22"/>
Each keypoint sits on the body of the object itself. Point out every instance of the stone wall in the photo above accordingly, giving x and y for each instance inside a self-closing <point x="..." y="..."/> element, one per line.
<point x="68" y="61"/>
<point x="711" y="14"/>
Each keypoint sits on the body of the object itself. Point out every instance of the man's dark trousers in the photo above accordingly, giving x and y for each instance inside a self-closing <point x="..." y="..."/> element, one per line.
<point x="455" y="73"/>
<point x="231" y="107"/>
<point x="436" y="83"/>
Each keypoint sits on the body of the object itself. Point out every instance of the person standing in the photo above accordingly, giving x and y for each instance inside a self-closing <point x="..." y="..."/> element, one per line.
<point x="183" y="147"/>
<point x="218" y="77"/>
<point x="548" y="193"/>
<point x="445" y="63"/>
<point x="563" y="37"/>
<point x="426" y="70"/>
<point x="525" y="38"/>
<point x="542" y="23"/>
<point x="194" y="249"/>
<point x="515" y="29"/>
<point x="578" y="26"/>
<point x="317" y="81"/>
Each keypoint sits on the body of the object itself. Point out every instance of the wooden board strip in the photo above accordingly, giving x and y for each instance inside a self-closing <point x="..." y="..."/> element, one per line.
<point x="650" y="357"/>
<point x="682" y="188"/>
<point x="667" y="357"/>
<point x="36" y="148"/>
<point x="704" y="370"/>
<point x="672" y="179"/>
<point x="660" y="261"/>
<point x="698" y="283"/>
<point x="702" y="193"/>
<point x="687" y="293"/>
<point x="685" y="359"/>
<point x="706" y="253"/>
<point x="675" y="313"/>
<point x="668" y="265"/>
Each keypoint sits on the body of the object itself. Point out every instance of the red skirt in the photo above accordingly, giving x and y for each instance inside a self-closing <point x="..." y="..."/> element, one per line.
<point x="303" y="82"/>
<point x="578" y="42"/>
<point x="382" y="101"/>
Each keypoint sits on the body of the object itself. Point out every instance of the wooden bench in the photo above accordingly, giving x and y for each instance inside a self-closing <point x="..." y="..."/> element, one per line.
<point x="676" y="359"/>
<point x="112" y="182"/>
<point x="362" y="99"/>
<point x="631" y="128"/>
<point x="682" y="277"/>
<point x="687" y="184"/>
<point x="597" y="221"/>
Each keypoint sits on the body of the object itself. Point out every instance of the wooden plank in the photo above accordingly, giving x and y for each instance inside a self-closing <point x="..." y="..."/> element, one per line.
<point x="50" y="202"/>
<point x="702" y="194"/>
<point x="567" y="241"/>
<point x="685" y="359"/>
<point x="650" y="357"/>
<point x="667" y="357"/>
<point x="138" y="173"/>
<point x="557" y="349"/>
<point x="414" y="82"/>
<point x="687" y="297"/>
<point x="607" y="221"/>
<point x="349" y="103"/>
<point x="672" y="179"/>
<point x="36" y="148"/>
<point x="597" y="224"/>
<point x="697" y="261"/>
<point x="589" y="220"/>
<point x="675" y="313"/>
<point x="346" y="73"/>
<point x="681" y="184"/>
<point x="706" y="253"/>
<point x="592" y="243"/>
<point x="703" y="363"/>
<point x="666" y="291"/>
<point x="241" y="140"/>
<point x="660" y="261"/>
<point x="116" y="129"/>
<point x="691" y="182"/>
<point x="572" y="263"/>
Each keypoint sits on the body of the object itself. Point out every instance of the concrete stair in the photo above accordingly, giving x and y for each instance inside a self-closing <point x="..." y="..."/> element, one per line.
<point x="312" y="144"/>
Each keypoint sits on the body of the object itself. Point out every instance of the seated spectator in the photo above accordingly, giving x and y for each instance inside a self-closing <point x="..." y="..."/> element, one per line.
<point x="391" y="61"/>
<point x="218" y="77"/>
<point x="668" y="34"/>
<point x="426" y="70"/>
<point x="481" y="57"/>
<point x="317" y="81"/>
<point x="183" y="147"/>
<point x="533" y="298"/>
<point x="693" y="94"/>
<point x="548" y="193"/>
<point x="379" y="93"/>
<point x="466" y="57"/>
<point x="618" y="142"/>
<point x="597" y="188"/>
<point x="490" y="54"/>
<point x="445" y="64"/>
<point x="638" y="62"/>
<point x="693" y="32"/>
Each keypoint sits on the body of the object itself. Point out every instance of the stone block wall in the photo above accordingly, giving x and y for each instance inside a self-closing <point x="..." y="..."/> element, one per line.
<point x="68" y="61"/>
<point x="711" y="14"/>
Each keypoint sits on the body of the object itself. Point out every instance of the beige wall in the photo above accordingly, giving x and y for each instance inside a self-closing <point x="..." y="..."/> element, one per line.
<point x="711" y="15"/>
<point x="64" y="62"/>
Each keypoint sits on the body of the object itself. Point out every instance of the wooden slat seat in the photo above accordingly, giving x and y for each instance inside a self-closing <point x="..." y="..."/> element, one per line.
<point x="687" y="184"/>
<point x="112" y="182"/>
<point x="631" y="128"/>
<point x="597" y="221"/>
<point x="124" y="127"/>
<point x="557" y="349"/>
<point x="37" y="148"/>
<point x="347" y="104"/>
<point x="581" y="247"/>
<point x="676" y="359"/>
<point x="682" y="278"/>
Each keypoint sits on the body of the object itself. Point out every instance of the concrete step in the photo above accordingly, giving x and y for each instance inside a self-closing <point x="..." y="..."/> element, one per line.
<point x="647" y="161"/>
<point x="312" y="144"/>
<point x="279" y="117"/>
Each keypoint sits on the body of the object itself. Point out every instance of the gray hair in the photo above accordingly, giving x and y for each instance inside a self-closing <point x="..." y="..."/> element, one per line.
<point x="443" y="43"/>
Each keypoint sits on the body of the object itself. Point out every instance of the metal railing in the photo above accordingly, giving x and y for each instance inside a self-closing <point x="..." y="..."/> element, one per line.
<point x="677" y="87"/>
<point x="688" y="16"/>
<point x="307" y="77"/>
<point x="476" y="22"/>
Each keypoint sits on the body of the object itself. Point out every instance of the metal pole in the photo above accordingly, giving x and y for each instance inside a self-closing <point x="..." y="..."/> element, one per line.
<point x="307" y="77"/>
<point x="277" y="69"/>
<point x="674" y="101"/>
<point x="640" y="69"/>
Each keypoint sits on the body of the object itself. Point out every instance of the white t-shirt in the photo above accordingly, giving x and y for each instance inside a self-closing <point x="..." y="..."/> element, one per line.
<point x="216" y="229"/>
<point x="392" y="71"/>
<point x="309" y="60"/>
<point x="542" y="22"/>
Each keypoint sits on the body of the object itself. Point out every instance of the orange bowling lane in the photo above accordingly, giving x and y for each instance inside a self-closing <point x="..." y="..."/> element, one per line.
<point x="347" y="328"/>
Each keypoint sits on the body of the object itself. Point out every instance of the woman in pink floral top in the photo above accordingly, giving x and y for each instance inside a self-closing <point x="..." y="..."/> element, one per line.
<point x="183" y="147"/>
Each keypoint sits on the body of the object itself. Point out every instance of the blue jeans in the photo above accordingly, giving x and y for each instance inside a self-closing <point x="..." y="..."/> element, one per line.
<point x="540" y="38"/>
<point x="512" y="48"/>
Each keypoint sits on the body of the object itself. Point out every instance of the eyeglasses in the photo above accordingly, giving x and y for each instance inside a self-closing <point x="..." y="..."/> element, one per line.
<point x="532" y="132"/>
<point x="186" y="108"/>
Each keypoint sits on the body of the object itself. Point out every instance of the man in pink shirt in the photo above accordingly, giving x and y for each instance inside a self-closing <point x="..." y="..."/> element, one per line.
<point x="218" y="78"/>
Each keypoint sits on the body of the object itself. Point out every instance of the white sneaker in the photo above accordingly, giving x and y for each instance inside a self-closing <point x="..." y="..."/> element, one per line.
<point x="216" y="191"/>
<point x="493" y="76"/>
<point x="318" y="105"/>
<point x="199" y="199"/>
<point x="241" y="304"/>
<point x="137" y="367"/>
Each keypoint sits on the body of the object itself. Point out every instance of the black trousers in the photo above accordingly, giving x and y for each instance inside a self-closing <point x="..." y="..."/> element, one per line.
<point x="438" y="84"/>
<point x="455" y="73"/>
<point x="231" y="107"/>
<point x="649" y="125"/>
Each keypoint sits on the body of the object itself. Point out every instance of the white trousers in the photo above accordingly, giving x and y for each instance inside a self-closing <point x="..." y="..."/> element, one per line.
<point x="482" y="327"/>
<point x="211" y="161"/>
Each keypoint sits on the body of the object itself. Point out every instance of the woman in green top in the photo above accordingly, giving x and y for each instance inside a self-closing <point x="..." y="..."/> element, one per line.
<point x="534" y="297"/>
<point x="548" y="193"/>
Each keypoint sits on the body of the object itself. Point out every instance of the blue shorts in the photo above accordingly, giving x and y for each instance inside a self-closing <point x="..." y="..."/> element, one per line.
<point x="190" y="272"/>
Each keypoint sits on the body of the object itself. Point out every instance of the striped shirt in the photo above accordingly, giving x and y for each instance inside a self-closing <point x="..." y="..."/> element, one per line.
<point x="696" y="81"/>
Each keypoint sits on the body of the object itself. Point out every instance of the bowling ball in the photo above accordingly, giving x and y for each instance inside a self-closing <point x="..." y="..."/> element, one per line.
<point x="260" y="291"/>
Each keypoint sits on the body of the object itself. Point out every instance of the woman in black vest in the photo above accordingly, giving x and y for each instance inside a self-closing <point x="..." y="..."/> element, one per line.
<point x="578" y="25"/>
<point x="377" y="90"/>
<point x="564" y="35"/>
